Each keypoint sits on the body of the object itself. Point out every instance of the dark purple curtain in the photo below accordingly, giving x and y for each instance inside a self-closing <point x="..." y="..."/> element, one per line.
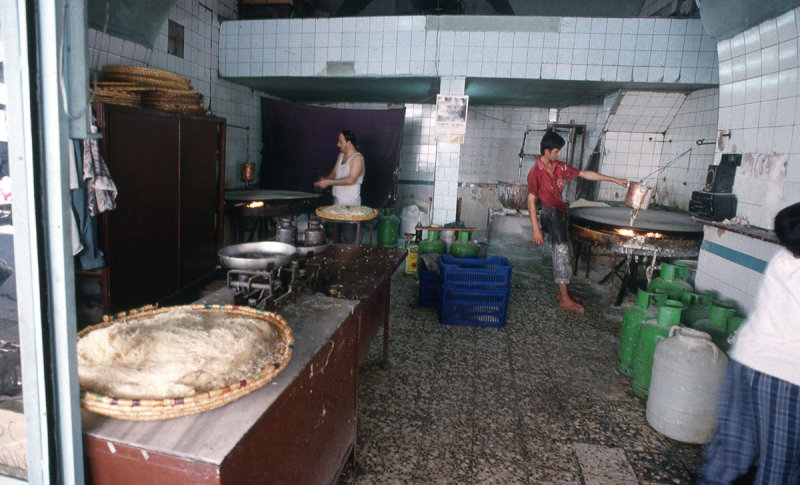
<point x="300" y="146"/>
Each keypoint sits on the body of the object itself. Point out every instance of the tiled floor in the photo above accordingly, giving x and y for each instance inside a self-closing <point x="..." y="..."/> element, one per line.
<point x="537" y="401"/>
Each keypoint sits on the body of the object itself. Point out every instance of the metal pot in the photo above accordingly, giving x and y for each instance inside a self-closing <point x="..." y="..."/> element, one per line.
<point x="315" y="234"/>
<point x="638" y="196"/>
<point x="513" y="195"/>
<point x="286" y="233"/>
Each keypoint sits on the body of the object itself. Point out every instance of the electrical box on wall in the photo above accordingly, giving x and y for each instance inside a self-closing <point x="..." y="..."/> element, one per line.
<point x="713" y="206"/>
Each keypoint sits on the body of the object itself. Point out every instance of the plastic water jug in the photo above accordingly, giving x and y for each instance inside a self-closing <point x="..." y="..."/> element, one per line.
<point x="688" y="370"/>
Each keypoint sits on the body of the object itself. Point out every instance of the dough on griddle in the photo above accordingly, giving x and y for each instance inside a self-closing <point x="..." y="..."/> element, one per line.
<point x="178" y="353"/>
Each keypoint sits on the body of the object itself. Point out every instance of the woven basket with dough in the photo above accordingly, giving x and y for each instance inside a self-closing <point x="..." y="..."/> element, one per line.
<point x="347" y="213"/>
<point x="104" y="362"/>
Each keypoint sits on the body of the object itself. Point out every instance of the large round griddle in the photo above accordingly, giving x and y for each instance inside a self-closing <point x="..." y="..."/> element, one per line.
<point x="268" y="195"/>
<point x="650" y="220"/>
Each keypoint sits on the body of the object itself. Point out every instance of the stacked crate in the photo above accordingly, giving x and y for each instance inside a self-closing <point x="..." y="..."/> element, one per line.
<point x="474" y="291"/>
<point x="429" y="286"/>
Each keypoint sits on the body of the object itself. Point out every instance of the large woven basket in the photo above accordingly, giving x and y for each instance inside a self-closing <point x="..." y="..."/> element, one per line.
<point x="139" y="73"/>
<point x="155" y="409"/>
<point x="324" y="212"/>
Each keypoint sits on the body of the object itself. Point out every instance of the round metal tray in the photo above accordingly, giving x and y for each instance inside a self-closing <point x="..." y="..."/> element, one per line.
<point x="256" y="255"/>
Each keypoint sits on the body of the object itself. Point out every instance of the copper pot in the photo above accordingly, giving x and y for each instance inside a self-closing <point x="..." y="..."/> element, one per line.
<point x="512" y="195"/>
<point x="638" y="196"/>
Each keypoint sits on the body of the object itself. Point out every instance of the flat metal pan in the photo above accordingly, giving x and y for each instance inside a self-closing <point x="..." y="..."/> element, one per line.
<point x="256" y="256"/>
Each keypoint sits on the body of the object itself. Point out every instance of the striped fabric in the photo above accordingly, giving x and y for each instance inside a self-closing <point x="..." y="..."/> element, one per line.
<point x="759" y="422"/>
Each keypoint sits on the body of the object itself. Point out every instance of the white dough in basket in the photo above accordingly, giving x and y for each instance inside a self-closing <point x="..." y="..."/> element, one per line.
<point x="178" y="353"/>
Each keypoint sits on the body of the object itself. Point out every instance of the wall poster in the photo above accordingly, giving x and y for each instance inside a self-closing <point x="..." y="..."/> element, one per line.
<point x="451" y="118"/>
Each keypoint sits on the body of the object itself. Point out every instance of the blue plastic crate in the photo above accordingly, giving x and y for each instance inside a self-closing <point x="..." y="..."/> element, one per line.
<point x="486" y="308"/>
<point x="475" y="273"/>
<point x="428" y="286"/>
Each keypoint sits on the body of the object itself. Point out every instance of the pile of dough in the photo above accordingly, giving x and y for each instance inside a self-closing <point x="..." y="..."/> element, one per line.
<point x="347" y="212"/>
<point x="178" y="353"/>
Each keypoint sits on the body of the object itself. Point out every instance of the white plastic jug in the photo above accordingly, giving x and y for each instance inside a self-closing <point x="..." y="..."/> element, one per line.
<point x="688" y="370"/>
<point x="409" y="219"/>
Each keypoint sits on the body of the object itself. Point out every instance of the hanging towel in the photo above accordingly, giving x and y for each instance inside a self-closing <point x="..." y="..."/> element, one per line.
<point x="101" y="192"/>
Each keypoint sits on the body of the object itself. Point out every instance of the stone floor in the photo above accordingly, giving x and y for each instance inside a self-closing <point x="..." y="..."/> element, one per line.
<point x="537" y="401"/>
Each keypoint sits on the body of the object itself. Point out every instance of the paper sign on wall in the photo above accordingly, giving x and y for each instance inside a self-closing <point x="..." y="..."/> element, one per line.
<point x="451" y="118"/>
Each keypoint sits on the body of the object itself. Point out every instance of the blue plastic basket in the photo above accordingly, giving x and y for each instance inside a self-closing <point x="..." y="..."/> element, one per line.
<point x="475" y="273"/>
<point x="428" y="286"/>
<point x="486" y="308"/>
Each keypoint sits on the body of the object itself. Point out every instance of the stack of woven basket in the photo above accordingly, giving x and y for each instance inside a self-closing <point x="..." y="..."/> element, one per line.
<point x="150" y="88"/>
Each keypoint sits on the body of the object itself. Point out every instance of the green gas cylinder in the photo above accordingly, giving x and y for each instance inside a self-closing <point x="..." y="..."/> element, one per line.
<point x="651" y="333"/>
<point x="433" y="244"/>
<point x="716" y="323"/>
<point x="681" y="270"/>
<point x="461" y="248"/>
<point x="644" y="309"/>
<point x="696" y="307"/>
<point x="388" y="229"/>
<point x="673" y="286"/>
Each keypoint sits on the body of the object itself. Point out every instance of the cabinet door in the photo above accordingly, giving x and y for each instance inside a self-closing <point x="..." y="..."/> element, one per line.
<point x="142" y="233"/>
<point x="199" y="198"/>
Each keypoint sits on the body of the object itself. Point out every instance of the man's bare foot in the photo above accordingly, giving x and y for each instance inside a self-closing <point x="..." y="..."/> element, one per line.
<point x="571" y="305"/>
<point x="573" y="297"/>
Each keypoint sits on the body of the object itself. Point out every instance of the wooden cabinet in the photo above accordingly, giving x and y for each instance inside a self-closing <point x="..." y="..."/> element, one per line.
<point x="163" y="237"/>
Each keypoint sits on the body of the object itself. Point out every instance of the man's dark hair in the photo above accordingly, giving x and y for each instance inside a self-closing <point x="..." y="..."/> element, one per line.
<point x="349" y="136"/>
<point x="787" y="228"/>
<point x="550" y="140"/>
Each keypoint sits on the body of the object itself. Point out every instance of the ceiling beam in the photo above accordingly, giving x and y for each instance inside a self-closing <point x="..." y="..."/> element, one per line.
<point x="502" y="7"/>
<point x="350" y="8"/>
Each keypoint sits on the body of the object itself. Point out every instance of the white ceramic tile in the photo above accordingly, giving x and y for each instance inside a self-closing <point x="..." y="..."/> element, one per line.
<point x="786" y="26"/>
<point x="787" y="83"/>
<point x="752" y="40"/>
<point x="737" y="45"/>
<point x="787" y="54"/>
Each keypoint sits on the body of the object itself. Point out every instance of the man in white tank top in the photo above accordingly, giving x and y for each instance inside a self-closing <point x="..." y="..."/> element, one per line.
<point x="345" y="178"/>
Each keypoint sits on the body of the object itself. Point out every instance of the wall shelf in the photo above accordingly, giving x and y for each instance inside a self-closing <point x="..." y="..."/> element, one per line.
<point x="749" y="231"/>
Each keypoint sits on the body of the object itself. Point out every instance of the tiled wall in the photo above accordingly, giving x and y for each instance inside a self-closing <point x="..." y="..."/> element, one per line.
<point x="595" y="49"/>
<point x="628" y="155"/>
<point x="759" y="105"/>
<point x="732" y="266"/>
<point x="686" y="172"/>
<point x="238" y="104"/>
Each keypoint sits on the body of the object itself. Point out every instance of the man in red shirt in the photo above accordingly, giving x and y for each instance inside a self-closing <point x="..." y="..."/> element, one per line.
<point x="545" y="183"/>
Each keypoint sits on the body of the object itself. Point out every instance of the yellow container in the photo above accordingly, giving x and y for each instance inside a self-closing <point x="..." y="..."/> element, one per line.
<point x="412" y="259"/>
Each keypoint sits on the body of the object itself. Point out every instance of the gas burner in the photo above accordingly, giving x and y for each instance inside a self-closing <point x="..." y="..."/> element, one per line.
<point x="272" y="289"/>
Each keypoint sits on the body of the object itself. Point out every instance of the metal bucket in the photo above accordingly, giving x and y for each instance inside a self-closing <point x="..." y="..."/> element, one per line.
<point x="638" y="196"/>
<point x="513" y="195"/>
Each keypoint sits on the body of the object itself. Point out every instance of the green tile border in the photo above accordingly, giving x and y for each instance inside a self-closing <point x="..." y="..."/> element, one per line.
<point x="734" y="256"/>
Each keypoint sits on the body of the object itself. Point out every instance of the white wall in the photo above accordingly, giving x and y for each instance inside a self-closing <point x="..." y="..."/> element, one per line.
<point x="759" y="105"/>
